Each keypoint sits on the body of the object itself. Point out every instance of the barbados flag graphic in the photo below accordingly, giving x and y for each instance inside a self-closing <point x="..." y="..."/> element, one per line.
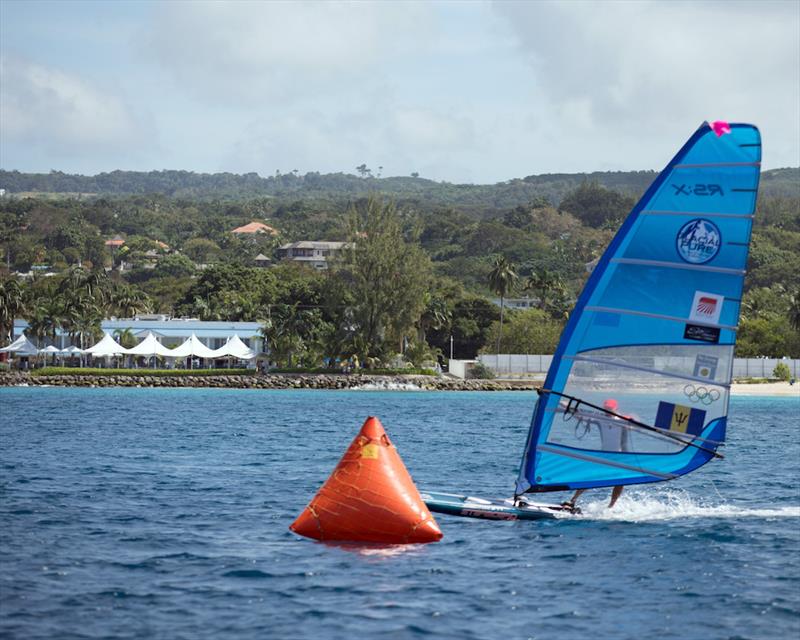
<point x="675" y="417"/>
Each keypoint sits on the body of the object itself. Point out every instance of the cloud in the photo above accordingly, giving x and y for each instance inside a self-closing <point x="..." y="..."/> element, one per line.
<point x="659" y="66"/>
<point x="61" y="112"/>
<point x="242" y="53"/>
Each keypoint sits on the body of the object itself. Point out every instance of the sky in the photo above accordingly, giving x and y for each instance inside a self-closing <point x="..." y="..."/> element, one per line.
<point x="467" y="92"/>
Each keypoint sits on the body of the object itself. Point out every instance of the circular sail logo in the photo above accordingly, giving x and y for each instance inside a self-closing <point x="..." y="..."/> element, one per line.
<point x="698" y="241"/>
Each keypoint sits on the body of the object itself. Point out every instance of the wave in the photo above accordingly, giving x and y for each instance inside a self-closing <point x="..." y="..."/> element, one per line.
<point x="675" y="505"/>
<point x="386" y="386"/>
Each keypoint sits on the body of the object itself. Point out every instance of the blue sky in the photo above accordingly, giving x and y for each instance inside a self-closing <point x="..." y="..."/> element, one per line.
<point x="458" y="91"/>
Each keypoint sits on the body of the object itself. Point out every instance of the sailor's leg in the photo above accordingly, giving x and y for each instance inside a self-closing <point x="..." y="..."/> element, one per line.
<point x="615" y="494"/>
<point x="571" y="501"/>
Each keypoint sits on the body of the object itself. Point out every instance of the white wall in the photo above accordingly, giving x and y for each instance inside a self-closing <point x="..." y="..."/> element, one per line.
<point x="520" y="364"/>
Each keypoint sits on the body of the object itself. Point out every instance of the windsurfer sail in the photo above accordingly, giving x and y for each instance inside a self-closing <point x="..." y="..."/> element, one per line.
<point x="655" y="328"/>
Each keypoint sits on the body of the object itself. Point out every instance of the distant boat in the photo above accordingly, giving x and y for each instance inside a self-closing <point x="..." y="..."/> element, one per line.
<point x="638" y="388"/>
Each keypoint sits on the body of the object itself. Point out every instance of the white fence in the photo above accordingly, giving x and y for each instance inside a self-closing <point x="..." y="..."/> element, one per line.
<point x="524" y="364"/>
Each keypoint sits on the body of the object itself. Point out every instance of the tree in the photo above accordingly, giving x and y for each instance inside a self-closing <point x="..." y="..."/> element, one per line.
<point x="386" y="276"/>
<point x="529" y="331"/>
<point x="125" y="337"/>
<point x="11" y="305"/>
<point x="595" y="205"/>
<point x="502" y="279"/>
<point x="551" y="292"/>
<point x="127" y="301"/>
<point x="794" y="310"/>
<point x="290" y="330"/>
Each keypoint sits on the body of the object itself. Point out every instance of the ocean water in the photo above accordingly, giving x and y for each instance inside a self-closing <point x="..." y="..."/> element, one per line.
<point x="141" y="513"/>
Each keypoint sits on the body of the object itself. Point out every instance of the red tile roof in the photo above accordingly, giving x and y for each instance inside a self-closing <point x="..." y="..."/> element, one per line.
<point x="256" y="227"/>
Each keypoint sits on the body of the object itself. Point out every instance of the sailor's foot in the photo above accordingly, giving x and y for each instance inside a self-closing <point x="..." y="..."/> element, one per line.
<point x="569" y="505"/>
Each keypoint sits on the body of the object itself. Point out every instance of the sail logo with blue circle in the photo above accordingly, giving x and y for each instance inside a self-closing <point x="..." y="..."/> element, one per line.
<point x="698" y="241"/>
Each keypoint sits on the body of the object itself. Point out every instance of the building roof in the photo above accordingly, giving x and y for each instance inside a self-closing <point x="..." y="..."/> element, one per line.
<point x="256" y="227"/>
<point x="174" y="328"/>
<point x="115" y="242"/>
<point x="314" y="244"/>
<point x="262" y="258"/>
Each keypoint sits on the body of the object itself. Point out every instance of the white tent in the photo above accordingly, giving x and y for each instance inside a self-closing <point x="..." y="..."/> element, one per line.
<point x="50" y="350"/>
<point x="71" y="350"/>
<point x="238" y="349"/>
<point x="193" y="347"/>
<point x="149" y="347"/>
<point x="106" y="347"/>
<point x="22" y="347"/>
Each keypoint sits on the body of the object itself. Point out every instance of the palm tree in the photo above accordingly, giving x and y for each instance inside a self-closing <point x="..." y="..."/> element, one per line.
<point x="43" y="321"/>
<point x="543" y="283"/>
<point x="794" y="309"/>
<point x="12" y="304"/>
<point x="502" y="279"/>
<point x="127" y="301"/>
<point x="125" y="337"/>
<point x="436" y="315"/>
<point x="288" y="329"/>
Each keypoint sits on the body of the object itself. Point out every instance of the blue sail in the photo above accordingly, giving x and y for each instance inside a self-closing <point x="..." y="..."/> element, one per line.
<point x="639" y="384"/>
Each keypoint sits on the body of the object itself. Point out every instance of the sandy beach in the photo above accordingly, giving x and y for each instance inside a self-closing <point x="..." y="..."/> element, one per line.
<point x="766" y="389"/>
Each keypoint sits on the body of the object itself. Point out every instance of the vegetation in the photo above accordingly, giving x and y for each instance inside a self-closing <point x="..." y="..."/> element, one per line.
<point x="422" y="259"/>
<point x="782" y="372"/>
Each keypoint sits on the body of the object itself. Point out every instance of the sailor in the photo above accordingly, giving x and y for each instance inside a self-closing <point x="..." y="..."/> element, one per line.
<point x="613" y="437"/>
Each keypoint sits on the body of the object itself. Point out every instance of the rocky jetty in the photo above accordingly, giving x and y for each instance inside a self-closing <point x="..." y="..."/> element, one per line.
<point x="268" y="381"/>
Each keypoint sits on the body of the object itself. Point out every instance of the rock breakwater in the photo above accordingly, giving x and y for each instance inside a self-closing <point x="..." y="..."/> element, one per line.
<point x="268" y="381"/>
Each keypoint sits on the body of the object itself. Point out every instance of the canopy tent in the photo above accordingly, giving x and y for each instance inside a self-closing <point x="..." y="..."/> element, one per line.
<point x="106" y="347"/>
<point x="50" y="350"/>
<point x="71" y="350"/>
<point x="22" y="347"/>
<point x="149" y="347"/>
<point x="234" y="347"/>
<point x="193" y="347"/>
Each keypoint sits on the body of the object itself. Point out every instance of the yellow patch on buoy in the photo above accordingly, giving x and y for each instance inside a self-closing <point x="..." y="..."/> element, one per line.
<point x="370" y="451"/>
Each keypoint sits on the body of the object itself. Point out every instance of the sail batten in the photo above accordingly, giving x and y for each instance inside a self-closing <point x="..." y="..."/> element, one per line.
<point x="652" y="333"/>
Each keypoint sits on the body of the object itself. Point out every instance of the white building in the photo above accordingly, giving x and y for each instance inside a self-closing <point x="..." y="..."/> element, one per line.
<point x="313" y="253"/>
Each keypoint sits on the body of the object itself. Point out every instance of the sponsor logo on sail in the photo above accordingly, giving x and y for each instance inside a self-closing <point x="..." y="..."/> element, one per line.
<point x="698" y="190"/>
<point x="698" y="241"/>
<point x="706" y="307"/>
<point x="705" y="366"/>
<point x="701" y="333"/>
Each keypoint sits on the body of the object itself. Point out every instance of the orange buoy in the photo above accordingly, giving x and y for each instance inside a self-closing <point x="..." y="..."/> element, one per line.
<point x="369" y="497"/>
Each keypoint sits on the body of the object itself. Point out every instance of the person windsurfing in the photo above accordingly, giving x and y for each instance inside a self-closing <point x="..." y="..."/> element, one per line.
<point x="613" y="437"/>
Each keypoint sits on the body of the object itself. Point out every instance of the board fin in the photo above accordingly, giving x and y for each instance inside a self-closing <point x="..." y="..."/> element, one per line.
<point x="369" y="497"/>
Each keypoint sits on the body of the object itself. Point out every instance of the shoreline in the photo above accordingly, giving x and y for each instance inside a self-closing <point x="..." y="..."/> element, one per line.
<point x="270" y="381"/>
<point x="330" y="381"/>
<point x="772" y="389"/>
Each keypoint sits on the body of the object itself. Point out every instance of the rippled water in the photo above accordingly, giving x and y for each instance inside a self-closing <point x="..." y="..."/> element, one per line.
<point x="164" y="513"/>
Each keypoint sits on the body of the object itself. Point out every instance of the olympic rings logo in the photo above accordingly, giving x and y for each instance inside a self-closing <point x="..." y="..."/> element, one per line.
<point x="701" y="394"/>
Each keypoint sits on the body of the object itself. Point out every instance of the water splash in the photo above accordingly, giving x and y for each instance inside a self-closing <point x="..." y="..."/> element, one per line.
<point x="676" y="505"/>
<point x="382" y="385"/>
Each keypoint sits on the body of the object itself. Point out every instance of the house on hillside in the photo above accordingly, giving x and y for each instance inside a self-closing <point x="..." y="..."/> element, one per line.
<point x="253" y="229"/>
<point x="314" y="254"/>
<point x="115" y="243"/>
<point x="262" y="261"/>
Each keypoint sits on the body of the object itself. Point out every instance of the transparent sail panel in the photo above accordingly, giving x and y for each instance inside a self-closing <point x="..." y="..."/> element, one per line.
<point x="675" y="389"/>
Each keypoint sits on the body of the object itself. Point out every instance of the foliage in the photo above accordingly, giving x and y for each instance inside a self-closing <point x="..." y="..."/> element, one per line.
<point x="385" y="274"/>
<point x="502" y="280"/>
<point x="480" y="371"/>
<point x="596" y="206"/>
<point x="782" y="371"/>
<point x="528" y="331"/>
